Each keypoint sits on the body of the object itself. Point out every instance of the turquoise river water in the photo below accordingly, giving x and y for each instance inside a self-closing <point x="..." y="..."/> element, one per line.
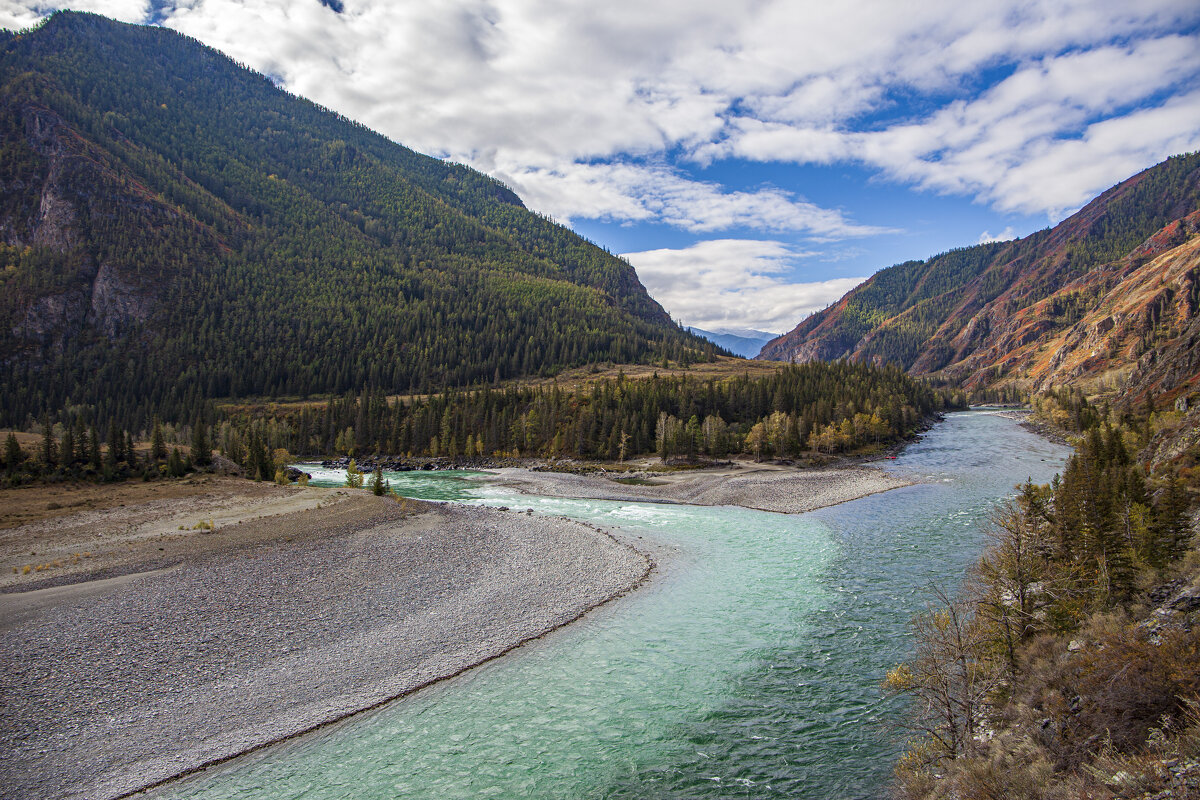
<point x="748" y="667"/>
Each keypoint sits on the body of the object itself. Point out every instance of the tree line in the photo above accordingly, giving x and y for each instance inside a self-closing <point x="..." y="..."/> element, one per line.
<point x="830" y="408"/>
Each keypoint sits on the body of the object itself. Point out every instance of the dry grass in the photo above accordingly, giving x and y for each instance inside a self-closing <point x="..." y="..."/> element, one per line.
<point x="37" y="502"/>
<point x="1115" y="718"/>
<point x="724" y="367"/>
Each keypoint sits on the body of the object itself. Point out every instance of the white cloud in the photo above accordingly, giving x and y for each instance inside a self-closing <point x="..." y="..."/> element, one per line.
<point x="734" y="283"/>
<point x="1049" y="137"/>
<point x="1008" y="234"/>
<point x="559" y="98"/>
<point x="16" y="15"/>
<point x="555" y="98"/>
<point x="641" y="193"/>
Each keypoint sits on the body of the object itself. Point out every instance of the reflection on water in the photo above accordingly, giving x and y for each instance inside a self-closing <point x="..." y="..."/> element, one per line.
<point x="748" y="668"/>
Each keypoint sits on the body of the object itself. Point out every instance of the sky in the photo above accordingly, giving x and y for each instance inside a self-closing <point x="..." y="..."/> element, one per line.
<point x="753" y="159"/>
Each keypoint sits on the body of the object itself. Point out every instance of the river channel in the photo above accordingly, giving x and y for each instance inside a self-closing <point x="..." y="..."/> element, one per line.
<point x="748" y="667"/>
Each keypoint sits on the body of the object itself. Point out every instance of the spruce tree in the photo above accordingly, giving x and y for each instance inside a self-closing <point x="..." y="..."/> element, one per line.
<point x="201" y="450"/>
<point x="114" y="446"/>
<point x="66" y="451"/>
<point x="378" y="485"/>
<point x="175" y="465"/>
<point x="13" y="455"/>
<point x="94" y="448"/>
<point x="158" y="445"/>
<point x="48" y="448"/>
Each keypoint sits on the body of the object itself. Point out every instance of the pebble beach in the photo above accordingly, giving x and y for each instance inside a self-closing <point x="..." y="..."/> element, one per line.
<point x="292" y="622"/>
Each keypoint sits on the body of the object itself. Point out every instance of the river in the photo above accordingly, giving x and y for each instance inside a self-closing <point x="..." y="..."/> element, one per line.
<point x="748" y="667"/>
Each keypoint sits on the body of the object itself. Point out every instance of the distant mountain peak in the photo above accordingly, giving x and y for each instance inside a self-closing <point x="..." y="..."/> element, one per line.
<point x="745" y="342"/>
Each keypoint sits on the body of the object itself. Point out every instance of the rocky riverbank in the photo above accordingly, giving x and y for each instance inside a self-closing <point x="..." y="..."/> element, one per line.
<point x="271" y="628"/>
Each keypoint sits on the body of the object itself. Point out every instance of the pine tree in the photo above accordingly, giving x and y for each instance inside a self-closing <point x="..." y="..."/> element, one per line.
<point x="67" y="449"/>
<point x="158" y="445"/>
<point x="201" y="450"/>
<point x="175" y="463"/>
<point x="378" y="485"/>
<point x="1170" y="519"/>
<point x="94" y="448"/>
<point x="48" y="448"/>
<point x="13" y="455"/>
<point x="114" y="446"/>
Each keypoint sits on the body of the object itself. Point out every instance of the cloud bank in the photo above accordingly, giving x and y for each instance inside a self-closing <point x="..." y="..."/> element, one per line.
<point x="628" y="111"/>
<point x="734" y="283"/>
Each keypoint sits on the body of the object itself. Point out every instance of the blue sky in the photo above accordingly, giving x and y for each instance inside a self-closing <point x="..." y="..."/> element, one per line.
<point x="754" y="160"/>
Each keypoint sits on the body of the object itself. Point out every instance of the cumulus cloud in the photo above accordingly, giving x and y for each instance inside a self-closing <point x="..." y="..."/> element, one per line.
<point x="735" y="283"/>
<point x="653" y="193"/>
<point x="1008" y="234"/>
<point x="1055" y="132"/>
<point x="1026" y="105"/>
<point x="16" y="15"/>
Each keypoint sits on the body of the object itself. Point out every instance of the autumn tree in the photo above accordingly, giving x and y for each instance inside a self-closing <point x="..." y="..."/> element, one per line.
<point x="949" y="678"/>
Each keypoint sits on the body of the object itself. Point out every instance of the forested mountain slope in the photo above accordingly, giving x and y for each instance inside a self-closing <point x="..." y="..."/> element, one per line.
<point x="1109" y="295"/>
<point x="174" y="227"/>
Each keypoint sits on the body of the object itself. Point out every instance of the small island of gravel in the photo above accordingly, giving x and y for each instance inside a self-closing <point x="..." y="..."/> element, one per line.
<point x="165" y="650"/>
<point x="749" y="484"/>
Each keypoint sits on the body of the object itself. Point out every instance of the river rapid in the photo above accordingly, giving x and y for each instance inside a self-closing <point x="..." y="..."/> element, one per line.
<point x="748" y="667"/>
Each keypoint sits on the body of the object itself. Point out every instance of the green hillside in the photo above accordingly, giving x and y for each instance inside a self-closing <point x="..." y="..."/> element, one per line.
<point x="174" y="227"/>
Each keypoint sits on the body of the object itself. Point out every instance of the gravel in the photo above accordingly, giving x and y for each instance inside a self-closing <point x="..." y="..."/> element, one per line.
<point x="122" y="685"/>
<point x="788" y="491"/>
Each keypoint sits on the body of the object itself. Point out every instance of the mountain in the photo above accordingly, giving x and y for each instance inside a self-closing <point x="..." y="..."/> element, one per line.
<point x="744" y="342"/>
<point x="1106" y="298"/>
<point x="174" y="227"/>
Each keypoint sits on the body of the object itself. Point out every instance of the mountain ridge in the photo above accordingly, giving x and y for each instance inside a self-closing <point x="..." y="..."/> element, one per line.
<point x="1014" y="312"/>
<point x="744" y="342"/>
<point x="174" y="222"/>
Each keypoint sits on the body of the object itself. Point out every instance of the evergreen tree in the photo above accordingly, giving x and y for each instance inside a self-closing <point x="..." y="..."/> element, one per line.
<point x="378" y="485"/>
<point x="158" y="445"/>
<point x="1171" y="519"/>
<point x="13" y="455"/>
<point x="49" y="451"/>
<point x="93" y="448"/>
<point x="115" y="446"/>
<point x="66" y="450"/>
<point x="201" y="449"/>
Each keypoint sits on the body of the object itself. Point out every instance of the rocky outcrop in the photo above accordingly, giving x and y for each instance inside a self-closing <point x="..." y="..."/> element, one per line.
<point x="116" y="304"/>
<point x="48" y="317"/>
<point x="106" y="297"/>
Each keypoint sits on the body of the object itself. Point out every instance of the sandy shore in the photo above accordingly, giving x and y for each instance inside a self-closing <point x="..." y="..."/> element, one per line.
<point x="166" y="650"/>
<point x="767" y="487"/>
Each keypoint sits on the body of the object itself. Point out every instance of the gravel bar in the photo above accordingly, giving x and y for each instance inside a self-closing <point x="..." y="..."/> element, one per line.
<point x="127" y="683"/>
<point x="786" y="491"/>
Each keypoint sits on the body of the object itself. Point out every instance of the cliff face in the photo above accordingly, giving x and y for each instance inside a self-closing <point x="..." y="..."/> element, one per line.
<point x="1103" y="297"/>
<point x="65" y="189"/>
